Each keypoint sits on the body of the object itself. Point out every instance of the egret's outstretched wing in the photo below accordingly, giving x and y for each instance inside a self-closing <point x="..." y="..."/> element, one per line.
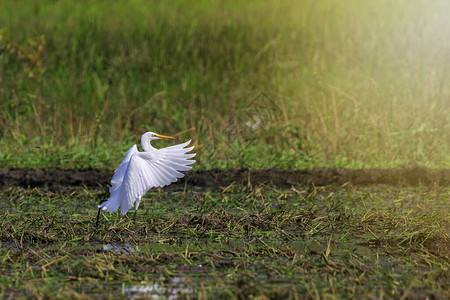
<point x="119" y="173"/>
<point x="153" y="169"/>
<point x="113" y="203"/>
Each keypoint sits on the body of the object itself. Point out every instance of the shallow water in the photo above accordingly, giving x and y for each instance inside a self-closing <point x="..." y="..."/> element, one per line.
<point x="125" y="249"/>
<point x="171" y="290"/>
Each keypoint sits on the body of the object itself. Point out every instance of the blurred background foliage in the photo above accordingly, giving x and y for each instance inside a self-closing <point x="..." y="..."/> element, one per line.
<point x="287" y="84"/>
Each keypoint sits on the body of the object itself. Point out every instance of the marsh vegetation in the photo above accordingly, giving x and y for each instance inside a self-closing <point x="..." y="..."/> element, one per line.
<point x="236" y="242"/>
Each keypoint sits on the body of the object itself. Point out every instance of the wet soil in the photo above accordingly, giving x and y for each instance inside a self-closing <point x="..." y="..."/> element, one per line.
<point x="410" y="175"/>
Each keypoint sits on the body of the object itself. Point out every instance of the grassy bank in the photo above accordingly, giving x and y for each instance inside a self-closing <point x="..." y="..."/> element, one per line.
<point x="257" y="84"/>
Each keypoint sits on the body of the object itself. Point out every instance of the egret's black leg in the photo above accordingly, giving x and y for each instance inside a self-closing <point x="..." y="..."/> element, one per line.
<point x="98" y="214"/>
<point x="134" y="218"/>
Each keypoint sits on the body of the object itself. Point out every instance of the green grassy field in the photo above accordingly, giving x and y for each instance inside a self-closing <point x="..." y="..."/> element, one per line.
<point x="257" y="83"/>
<point x="234" y="243"/>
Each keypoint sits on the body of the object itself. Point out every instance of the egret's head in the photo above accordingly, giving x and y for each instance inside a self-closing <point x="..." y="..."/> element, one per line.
<point x="150" y="136"/>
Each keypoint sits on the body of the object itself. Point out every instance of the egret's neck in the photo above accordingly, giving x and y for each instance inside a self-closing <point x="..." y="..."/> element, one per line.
<point x="145" y="143"/>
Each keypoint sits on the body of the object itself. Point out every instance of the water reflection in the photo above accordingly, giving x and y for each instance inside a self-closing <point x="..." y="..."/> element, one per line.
<point x="171" y="290"/>
<point x="126" y="249"/>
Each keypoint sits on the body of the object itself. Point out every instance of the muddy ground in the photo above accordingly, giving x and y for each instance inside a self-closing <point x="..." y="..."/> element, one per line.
<point x="411" y="175"/>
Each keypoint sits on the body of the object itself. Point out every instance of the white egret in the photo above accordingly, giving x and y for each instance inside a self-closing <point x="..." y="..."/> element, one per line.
<point x="140" y="171"/>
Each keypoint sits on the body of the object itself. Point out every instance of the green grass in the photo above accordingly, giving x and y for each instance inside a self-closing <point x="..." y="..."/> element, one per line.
<point x="240" y="242"/>
<point x="336" y="83"/>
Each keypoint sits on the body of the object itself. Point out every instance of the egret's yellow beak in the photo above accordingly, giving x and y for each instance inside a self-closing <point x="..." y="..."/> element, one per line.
<point x="164" y="136"/>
